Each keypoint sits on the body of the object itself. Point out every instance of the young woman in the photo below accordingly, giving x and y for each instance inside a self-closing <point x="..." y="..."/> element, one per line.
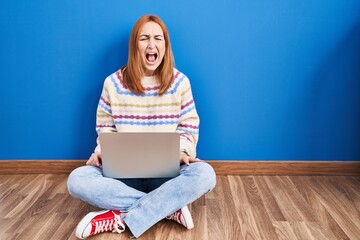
<point x="146" y="95"/>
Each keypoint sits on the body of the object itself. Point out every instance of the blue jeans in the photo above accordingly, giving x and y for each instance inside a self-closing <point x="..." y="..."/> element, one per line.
<point x="146" y="201"/>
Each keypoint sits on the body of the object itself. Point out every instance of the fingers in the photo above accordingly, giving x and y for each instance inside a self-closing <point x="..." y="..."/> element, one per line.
<point x="184" y="158"/>
<point x="94" y="160"/>
<point x="187" y="160"/>
<point x="192" y="160"/>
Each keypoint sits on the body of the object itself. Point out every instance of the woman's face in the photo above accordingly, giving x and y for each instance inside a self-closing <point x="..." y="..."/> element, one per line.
<point x="151" y="47"/>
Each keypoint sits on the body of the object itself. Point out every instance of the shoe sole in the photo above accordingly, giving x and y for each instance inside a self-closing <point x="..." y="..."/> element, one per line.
<point x="187" y="217"/>
<point x="86" y="221"/>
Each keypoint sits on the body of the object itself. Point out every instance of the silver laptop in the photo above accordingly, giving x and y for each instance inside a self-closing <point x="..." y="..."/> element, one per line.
<point x="140" y="155"/>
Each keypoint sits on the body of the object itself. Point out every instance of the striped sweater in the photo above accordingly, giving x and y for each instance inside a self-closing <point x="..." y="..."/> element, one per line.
<point x="120" y="110"/>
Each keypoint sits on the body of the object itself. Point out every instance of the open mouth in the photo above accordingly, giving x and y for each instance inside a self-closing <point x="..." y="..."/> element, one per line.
<point x="151" y="57"/>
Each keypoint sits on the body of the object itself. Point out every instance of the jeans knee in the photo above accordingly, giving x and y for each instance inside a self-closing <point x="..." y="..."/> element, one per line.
<point x="77" y="177"/>
<point x="206" y="175"/>
<point x="71" y="182"/>
<point x="211" y="176"/>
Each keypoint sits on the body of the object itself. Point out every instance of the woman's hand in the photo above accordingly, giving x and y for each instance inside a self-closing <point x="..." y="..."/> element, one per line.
<point x="184" y="158"/>
<point x="95" y="160"/>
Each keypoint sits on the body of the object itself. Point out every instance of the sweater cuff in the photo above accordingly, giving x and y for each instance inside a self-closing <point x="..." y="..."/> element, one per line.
<point x="188" y="148"/>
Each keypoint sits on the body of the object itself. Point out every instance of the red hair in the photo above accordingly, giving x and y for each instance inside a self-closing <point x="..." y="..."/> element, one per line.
<point x="133" y="72"/>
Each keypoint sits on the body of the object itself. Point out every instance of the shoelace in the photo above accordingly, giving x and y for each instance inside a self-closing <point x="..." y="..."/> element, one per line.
<point x="118" y="223"/>
<point x="108" y="225"/>
<point x="175" y="216"/>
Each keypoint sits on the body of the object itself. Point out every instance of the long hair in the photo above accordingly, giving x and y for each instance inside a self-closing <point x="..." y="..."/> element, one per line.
<point x="133" y="72"/>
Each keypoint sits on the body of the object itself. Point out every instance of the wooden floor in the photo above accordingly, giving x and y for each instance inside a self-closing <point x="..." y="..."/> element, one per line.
<point x="240" y="207"/>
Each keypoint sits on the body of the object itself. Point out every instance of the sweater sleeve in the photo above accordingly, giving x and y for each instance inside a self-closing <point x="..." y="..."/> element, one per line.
<point x="104" y="117"/>
<point x="188" y="126"/>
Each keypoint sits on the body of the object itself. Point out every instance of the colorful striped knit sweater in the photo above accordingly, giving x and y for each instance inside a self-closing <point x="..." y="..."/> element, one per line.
<point x="120" y="110"/>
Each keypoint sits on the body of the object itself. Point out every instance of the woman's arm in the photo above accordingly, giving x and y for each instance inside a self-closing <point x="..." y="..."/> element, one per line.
<point x="104" y="122"/>
<point x="188" y="126"/>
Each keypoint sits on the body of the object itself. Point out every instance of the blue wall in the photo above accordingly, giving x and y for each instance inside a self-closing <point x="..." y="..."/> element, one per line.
<point x="272" y="79"/>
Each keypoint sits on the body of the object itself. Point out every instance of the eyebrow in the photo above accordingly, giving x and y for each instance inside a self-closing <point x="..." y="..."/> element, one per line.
<point x="148" y="35"/>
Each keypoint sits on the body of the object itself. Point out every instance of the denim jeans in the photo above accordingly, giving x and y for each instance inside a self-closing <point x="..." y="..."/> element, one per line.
<point x="146" y="201"/>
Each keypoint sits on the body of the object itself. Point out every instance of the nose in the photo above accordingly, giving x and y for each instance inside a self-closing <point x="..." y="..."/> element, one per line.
<point x="151" y="43"/>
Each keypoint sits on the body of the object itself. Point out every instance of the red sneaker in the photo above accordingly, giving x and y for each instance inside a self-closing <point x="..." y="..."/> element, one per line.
<point x="183" y="217"/>
<point x="98" y="222"/>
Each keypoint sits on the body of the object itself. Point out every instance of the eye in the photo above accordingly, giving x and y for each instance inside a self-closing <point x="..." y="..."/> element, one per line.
<point x="143" y="38"/>
<point x="159" y="38"/>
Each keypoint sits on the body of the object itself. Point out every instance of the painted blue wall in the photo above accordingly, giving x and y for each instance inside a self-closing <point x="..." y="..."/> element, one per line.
<point x="272" y="79"/>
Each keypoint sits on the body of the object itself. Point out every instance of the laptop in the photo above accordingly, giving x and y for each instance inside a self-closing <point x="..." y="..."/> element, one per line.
<point x="140" y="155"/>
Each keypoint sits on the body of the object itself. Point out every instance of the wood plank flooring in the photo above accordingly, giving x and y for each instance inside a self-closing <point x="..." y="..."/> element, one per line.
<point x="37" y="206"/>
